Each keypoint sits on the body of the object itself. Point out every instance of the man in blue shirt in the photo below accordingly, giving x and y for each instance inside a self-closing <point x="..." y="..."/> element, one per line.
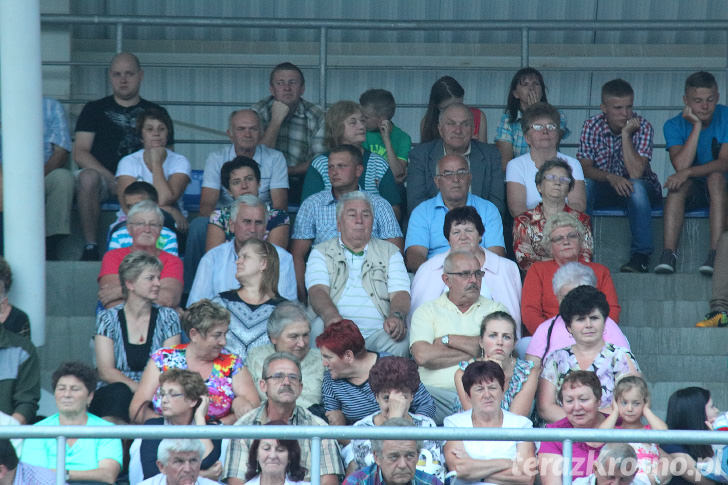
<point x="696" y="141"/>
<point x="425" y="237"/>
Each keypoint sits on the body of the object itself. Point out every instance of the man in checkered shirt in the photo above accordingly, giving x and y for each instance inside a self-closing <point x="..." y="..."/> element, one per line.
<point x="615" y="150"/>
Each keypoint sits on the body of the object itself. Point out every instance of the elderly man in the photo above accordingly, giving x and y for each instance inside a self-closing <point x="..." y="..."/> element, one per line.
<point x="616" y="465"/>
<point x="359" y="278"/>
<point x="179" y="462"/>
<point x="216" y="272"/>
<point x="281" y="383"/>
<point x="316" y="219"/>
<point x="292" y="125"/>
<point x="456" y="131"/>
<point x="105" y="132"/>
<point x="424" y="232"/>
<point x="395" y="463"/>
<point x="446" y="331"/>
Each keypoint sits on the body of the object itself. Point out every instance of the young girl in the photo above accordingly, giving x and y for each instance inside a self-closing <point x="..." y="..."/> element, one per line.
<point x="631" y="403"/>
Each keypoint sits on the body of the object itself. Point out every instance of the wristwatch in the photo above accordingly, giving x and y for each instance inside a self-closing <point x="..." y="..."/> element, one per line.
<point x="398" y="315"/>
<point x="445" y="339"/>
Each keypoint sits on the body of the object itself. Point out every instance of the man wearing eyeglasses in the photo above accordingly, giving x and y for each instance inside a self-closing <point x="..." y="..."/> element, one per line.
<point x="615" y="150"/>
<point x="483" y="160"/>
<point x="291" y="124"/>
<point x="445" y="331"/>
<point x="425" y="237"/>
<point x="281" y="383"/>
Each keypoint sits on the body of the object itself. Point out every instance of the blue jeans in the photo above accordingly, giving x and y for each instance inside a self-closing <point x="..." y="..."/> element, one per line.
<point x="601" y="195"/>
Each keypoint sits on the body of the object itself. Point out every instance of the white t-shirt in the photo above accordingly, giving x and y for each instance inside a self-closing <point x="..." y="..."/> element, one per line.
<point x="133" y="165"/>
<point x="488" y="450"/>
<point x="522" y="170"/>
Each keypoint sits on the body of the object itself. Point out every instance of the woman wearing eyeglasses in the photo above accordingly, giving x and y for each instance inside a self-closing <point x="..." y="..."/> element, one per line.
<point x="540" y="124"/>
<point x="554" y="180"/>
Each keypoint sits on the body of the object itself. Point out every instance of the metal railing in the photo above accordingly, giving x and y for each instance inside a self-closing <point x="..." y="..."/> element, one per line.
<point x="317" y="433"/>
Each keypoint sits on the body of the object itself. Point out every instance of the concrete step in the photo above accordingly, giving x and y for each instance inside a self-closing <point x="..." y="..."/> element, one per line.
<point x="661" y="391"/>
<point x="612" y="239"/>
<point x="683" y="367"/>
<point x="677" y="341"/>
<point x="650" y="286"/>
<point x="662" y="314"/>
<point x="67" y="338"/>
<point x="71" y="287"/>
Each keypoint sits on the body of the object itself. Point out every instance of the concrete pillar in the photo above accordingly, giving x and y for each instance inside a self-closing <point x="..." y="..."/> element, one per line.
<point x="22" y="135"/>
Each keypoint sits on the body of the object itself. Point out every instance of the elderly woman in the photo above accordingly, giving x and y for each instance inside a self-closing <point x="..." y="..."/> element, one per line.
<point x="553" y="180"/>
<point x="168" y="171"/>
<point x="346" y="396"/>
<point x="184" y="402"/>
<point x="11" y="317"/>
<point x="144" y="222"/>
<point x="488" y="461"/>
<point x="580" y="395"/>
<point x="128" y="334"/>
<point x="563" y="236"/>
<point x="344" y="125"/>
<point x="584" y="310"/>
<point x="394" y="382"/>
<point x="551" y="334"/>
<point x="275" y="462"/>
<point x="527" y="88"/>
<point x="251" y="304"/>
<point x="446" y="91"/>
<point x="87" y="459"/>
<point x="497" y="344"/>
<point x="289" y="330"/>
<point x="241" y="176"/>
<point x="464" y="229"/>
<point x="229" y="384"/>
<point x="540" y="124"/>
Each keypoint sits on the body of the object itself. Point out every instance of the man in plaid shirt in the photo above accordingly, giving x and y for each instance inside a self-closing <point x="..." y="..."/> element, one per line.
<point x="291" y="124"/>
<point x="615" y="150"/>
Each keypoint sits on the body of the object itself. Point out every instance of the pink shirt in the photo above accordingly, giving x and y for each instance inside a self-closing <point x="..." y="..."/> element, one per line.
<point x="561" y="338"/>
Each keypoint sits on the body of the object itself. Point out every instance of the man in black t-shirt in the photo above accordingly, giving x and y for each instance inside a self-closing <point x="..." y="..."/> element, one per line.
<point x="106" y="132"/>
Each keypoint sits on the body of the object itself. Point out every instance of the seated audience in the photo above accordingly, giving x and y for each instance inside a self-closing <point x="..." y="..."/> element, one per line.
<point x="697" y="142"/>
<point x="497" y="344"/>
<point x="15" y="472"/>
<point x="445" y="331"/>
<point x="178" y="461"/>
<point x="128" y="334"/>
<point x="564" y="238"/>
<point x="281" y="383"/>
<point x="551" y="334"/>
<point x="289" y="330"/>
<point x="394" y="381"/>
<point x="241" y="176"/>
<point x="455" y="125"/>
<point x="692" y="409"/>
<point x="20" y="382"/>
<point x="488" y="461"/>
<point x="424" y="230"/>
<point x="168" y="171"/>
<point x="134" y="193"/>
<point x="445" y="92"/>
<point x="348" y="363"/>
<point x="345" y="126"/>
<point x="360" y="278"/>
<point x="229" y="384"/>
<point x="87" y="459"/>
<point x="554" y="180"/>
<point x="615" y="150"/>
<point x="464" y="229"/>
<point x="11" y="317"/>
<point x="251" y="305"/>
<point x="527" y="88"/>
<point x="217" y="269"/>
<point x="316" y="220"/>
<point x="584" y="310"/>
<point x="616" y="464"/>
<point x="395" y="462"/>
<point x="384" y="137"/>
<point x="144" y="223"/>
<point x="718" y="314"/>
<point x="580" y="396"/>
<point x="275" y="462"/>
<point x="540" y="124"/>
<point x="185" y="402"/>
